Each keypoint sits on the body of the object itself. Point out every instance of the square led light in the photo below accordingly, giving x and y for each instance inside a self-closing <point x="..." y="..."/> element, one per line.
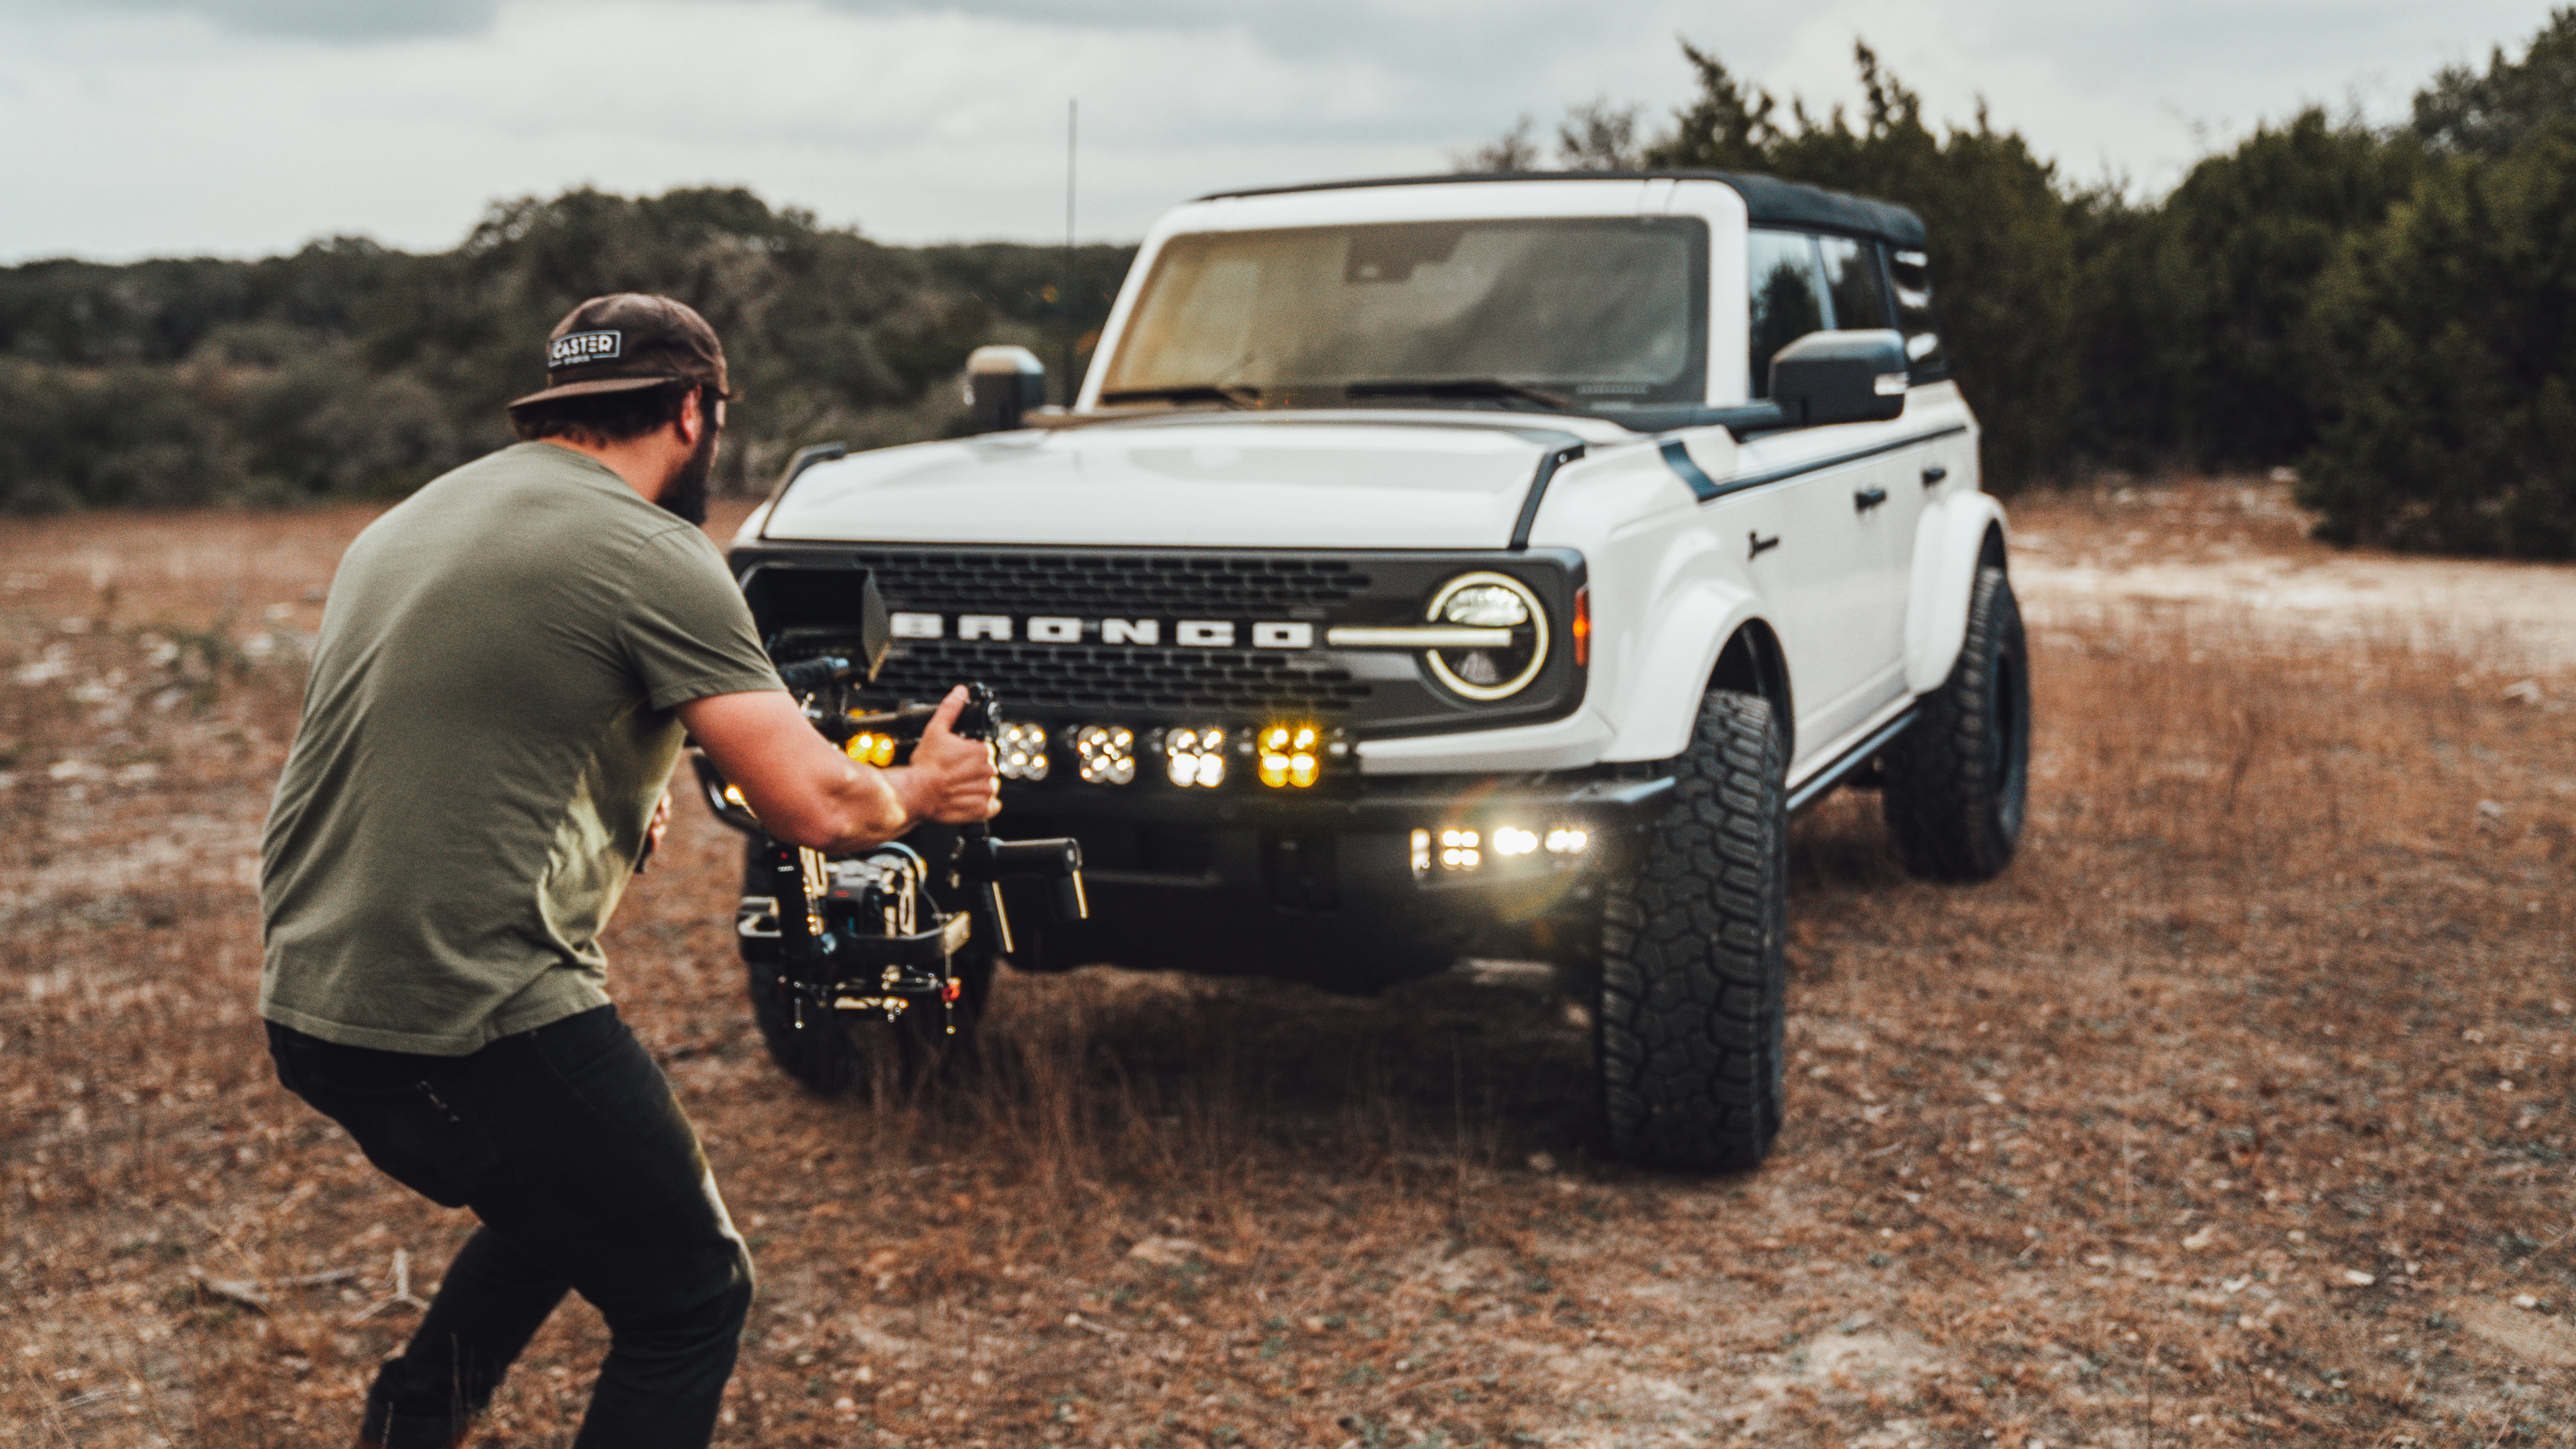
<point x="1105" y="754"/>
<point x="1291" y="756"/>
<point x="1021" y="752"/>
<point x="1195" y="757"/>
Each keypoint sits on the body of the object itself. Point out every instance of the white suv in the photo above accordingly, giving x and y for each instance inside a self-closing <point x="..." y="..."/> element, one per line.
<point x="1466" y="563"/>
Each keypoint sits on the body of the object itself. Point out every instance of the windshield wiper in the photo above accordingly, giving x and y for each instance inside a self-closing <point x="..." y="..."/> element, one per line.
<point x="1232" y="394"/>
<point x="1465" y="387"/>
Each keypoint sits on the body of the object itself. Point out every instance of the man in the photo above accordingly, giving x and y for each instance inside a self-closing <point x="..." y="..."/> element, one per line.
<point x="506" y="666"/>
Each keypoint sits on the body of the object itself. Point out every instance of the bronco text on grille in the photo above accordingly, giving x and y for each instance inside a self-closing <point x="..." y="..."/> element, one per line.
<point x="1060" y="676"/>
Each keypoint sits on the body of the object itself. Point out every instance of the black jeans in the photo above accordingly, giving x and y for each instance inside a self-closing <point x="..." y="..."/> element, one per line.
<point x="567" y="1143"/>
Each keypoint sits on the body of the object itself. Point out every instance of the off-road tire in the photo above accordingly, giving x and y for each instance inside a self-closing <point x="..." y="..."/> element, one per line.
<point x="1957" y="782"/>
<point x="1688" y="1019"/>
<point x="832" y="1055"/>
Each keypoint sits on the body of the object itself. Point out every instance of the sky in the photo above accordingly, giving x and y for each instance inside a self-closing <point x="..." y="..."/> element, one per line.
<point x="134" y="128"/>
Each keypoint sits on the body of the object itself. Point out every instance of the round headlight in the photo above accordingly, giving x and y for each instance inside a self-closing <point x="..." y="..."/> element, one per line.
<point x="1505" y="605"/>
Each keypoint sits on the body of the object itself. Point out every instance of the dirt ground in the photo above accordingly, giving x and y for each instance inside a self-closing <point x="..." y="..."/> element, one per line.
<point x="2238" y="548"/>
<point x="2237" y="1110"/>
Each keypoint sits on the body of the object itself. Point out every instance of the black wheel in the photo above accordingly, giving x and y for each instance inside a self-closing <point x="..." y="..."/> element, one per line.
<point x="1957" y="781"/>
<point x="1690" y="1008"/>
<point x="832" y="1054"/>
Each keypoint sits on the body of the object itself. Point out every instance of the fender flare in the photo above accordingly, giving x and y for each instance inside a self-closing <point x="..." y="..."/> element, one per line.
<point x="1956" y="536"/>
<point x="1664" y="680"/>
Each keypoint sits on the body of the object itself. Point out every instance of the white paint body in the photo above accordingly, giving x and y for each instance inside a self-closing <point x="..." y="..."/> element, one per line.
<point x="1869" y="606"/>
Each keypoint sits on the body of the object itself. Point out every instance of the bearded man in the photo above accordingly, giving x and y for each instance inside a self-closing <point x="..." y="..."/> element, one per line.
<point x="507" y="665"/>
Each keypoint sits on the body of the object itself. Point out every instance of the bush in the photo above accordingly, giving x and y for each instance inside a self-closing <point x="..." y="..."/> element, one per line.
<point x="2464" y="113"/>
<point x="122" y="436"/>
<point x="2238" y="250"/>
<point x="2446" y="354"/>
<point x="350" y="370"/>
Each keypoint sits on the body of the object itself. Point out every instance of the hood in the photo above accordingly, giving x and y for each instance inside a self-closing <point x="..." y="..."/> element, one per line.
<point x="1267" y="480"/>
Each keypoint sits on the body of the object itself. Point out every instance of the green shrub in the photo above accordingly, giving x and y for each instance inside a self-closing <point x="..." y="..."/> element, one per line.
<point x="2239" y="248"/>
<point x="2462" y="112"/>
<point x="2445" y="365"/>
<point x="127" y="435"/>
<point x="347" y="370"/>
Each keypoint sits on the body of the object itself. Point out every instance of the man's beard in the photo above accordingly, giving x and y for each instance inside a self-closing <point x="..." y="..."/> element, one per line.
<point x="686" y="493"/>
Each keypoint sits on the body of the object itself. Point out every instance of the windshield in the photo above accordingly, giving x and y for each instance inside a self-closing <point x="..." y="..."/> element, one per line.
<point x="1603" y="313"/>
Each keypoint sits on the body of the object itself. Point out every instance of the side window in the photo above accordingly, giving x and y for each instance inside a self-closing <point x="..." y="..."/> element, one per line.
<point x="1788" y="283"/>
<point x="1912" y="273"/>
<point x="1852" y="279"/>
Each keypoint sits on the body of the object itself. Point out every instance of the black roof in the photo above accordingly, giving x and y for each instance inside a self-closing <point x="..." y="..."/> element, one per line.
<point x="1769" y="200"/>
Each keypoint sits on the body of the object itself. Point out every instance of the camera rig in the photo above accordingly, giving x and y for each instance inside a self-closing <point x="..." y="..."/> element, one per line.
<point x="868" y="935"/>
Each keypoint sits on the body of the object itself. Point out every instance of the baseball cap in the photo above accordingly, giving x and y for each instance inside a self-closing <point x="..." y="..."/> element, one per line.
<point x="626" y="341"/>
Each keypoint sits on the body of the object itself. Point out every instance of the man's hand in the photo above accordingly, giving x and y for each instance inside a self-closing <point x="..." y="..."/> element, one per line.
<point x="950" y="780"/>
<point x="808" y="793"/>
<point x="653" y="829"/>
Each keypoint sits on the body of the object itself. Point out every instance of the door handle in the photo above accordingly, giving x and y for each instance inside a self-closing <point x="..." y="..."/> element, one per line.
<point x="1762" y="545"/>
<point x="1867" y="499"/>
<point x="1934" y="474"/>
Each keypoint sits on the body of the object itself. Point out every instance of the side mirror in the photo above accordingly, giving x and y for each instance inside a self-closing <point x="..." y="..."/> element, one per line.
<point x="1002" y="385"/>
<point x="1841" y="377"/>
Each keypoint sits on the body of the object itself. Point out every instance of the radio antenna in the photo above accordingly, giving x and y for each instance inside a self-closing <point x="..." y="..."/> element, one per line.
<point x="1071" y="114"/>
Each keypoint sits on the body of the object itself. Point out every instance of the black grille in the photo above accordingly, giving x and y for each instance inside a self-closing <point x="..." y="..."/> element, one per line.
<point x="1373" y="695"/>
<point x="1077" y="676"/>
<point x="1124" y="584"/>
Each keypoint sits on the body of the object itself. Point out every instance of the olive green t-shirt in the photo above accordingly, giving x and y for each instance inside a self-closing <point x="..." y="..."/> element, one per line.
<point x="486" y="730"/>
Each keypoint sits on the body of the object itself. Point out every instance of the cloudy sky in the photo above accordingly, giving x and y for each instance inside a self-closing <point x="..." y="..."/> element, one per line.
<point x="241" y="127"/>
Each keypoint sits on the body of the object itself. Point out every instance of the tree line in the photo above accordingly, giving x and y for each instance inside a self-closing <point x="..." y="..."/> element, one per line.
<point x="351" y="370"/>
<point x="2391" y="311"/>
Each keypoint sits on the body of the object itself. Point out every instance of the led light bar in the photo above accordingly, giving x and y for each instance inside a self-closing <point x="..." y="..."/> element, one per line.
<point x="1427" y="636"/>
<point x="1455" y="851"/>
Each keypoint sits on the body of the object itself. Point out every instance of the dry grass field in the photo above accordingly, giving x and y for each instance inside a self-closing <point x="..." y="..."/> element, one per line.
<point x="2237" y="1111"/>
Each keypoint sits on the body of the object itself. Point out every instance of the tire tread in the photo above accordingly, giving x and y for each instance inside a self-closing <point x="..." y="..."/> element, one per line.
<point x="1942" y="800"/>
<point x="1688" y="1019"/>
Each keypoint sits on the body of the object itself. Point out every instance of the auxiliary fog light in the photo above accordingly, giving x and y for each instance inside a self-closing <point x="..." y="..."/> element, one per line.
<point x="1196" y="757"/>
<point x="1289" y="755"/>
<point x="1021" y="752"/>
<point x="1512" y="840"/>
<point x="1105" y="754"/>
<point x="870" y="748"/>
<point x="1565" y="840"/>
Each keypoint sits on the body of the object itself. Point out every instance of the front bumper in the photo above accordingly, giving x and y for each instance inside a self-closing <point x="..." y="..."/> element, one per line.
<point x="1386" y="839"/>
<point x="1378" y="803"/>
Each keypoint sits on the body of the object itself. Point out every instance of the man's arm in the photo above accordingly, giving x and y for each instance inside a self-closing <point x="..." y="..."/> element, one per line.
<point x="808" y="793"/>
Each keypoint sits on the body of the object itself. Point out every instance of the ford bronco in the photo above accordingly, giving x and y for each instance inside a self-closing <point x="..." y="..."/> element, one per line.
<point x="1443" y="565"/>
